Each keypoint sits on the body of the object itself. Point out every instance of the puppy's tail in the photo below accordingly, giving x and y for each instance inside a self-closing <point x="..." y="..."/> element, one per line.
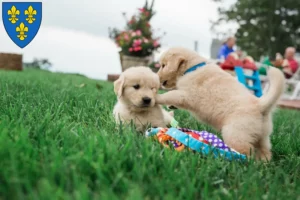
<point x="269" y="100"/>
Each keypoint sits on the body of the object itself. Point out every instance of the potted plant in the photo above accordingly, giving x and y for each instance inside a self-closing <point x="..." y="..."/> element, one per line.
<point x="136" y="41"/>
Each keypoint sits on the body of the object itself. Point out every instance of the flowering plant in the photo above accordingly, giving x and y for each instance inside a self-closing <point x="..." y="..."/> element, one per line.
<point x="154" y="66"/>
<point x="137" y="39"/>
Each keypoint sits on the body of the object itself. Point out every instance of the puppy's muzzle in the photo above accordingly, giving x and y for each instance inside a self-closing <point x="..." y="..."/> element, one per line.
<point x="146" y="101"/>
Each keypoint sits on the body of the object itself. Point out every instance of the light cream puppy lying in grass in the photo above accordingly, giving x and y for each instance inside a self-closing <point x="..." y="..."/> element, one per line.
<point x="218" y="99"/>
<point x="136" y="89"/>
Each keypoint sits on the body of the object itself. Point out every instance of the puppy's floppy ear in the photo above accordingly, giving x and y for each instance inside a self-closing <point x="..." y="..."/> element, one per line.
<point x="181" y="61"/>
<point x="118" y="86"/>
<point x="178" y="61"/>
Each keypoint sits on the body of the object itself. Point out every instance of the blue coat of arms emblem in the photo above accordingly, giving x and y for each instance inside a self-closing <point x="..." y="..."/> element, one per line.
<point x="22" y="21"/>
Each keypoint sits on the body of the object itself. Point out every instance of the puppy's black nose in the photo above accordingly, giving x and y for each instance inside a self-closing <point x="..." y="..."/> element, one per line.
<point x="165" y="83"/>
<point x="146" y="100"/>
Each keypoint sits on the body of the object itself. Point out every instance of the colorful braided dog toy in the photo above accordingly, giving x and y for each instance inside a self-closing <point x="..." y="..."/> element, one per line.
<point x="202" y="142"/>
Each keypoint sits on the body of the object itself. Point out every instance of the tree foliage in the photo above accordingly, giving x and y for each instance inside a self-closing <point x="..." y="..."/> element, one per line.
<point x="39" y="64"/>
<point x="265" y="26"/>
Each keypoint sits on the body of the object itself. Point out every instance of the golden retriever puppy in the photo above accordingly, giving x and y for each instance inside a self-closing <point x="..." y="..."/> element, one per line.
<point x="218" y="99"/>
<point x="136" y="89"/>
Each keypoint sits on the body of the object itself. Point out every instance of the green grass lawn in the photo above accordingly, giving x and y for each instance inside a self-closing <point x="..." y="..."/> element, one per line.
<point x="59" y="141"/>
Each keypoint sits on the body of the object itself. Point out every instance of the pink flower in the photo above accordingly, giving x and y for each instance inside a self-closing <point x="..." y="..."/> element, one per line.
<point x="137" y="48"/>
<point x="142" y="9"/>
<point x="133" y="34"/>
<point x="137" y="42"/>
<point x="138" y="32"/>
<point x="146" y="40"/>
<point x="155" y="43"/>
<point x="126" y="37"/>
<point x="157" y="65"/>
<point x="132" y="20"/>
<point x="130" y="49"/>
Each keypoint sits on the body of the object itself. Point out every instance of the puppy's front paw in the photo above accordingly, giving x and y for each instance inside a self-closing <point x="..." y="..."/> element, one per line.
<point x="158" y="99"/>
<point x="171" y="113"/>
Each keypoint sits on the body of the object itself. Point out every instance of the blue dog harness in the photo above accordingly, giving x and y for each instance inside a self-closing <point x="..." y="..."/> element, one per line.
<point x="195" y="67"/>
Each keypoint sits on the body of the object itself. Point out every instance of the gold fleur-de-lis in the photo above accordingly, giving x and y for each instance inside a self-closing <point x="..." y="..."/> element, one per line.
<point x="13" y="12"/>
<point x="22" y="29"/>
<point x="30" y="12"/>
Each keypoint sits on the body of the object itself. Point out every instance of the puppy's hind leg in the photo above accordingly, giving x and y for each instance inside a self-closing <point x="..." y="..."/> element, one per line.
<point x="264" y="149"/>
<point x="235" y="138"/>
<point x="264" y="144"/>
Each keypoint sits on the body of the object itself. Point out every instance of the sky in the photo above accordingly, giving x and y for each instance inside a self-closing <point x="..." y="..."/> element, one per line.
<point x="74" y="33"/>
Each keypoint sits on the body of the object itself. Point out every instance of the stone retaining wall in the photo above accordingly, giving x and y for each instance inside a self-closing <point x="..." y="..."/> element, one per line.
<point x="112" y="77"/>
<point x="11" y="61"/>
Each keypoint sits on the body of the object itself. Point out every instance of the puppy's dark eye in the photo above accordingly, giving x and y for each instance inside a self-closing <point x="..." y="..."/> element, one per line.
<point x="163" y="65"/>
<point x="137" y="86"/>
